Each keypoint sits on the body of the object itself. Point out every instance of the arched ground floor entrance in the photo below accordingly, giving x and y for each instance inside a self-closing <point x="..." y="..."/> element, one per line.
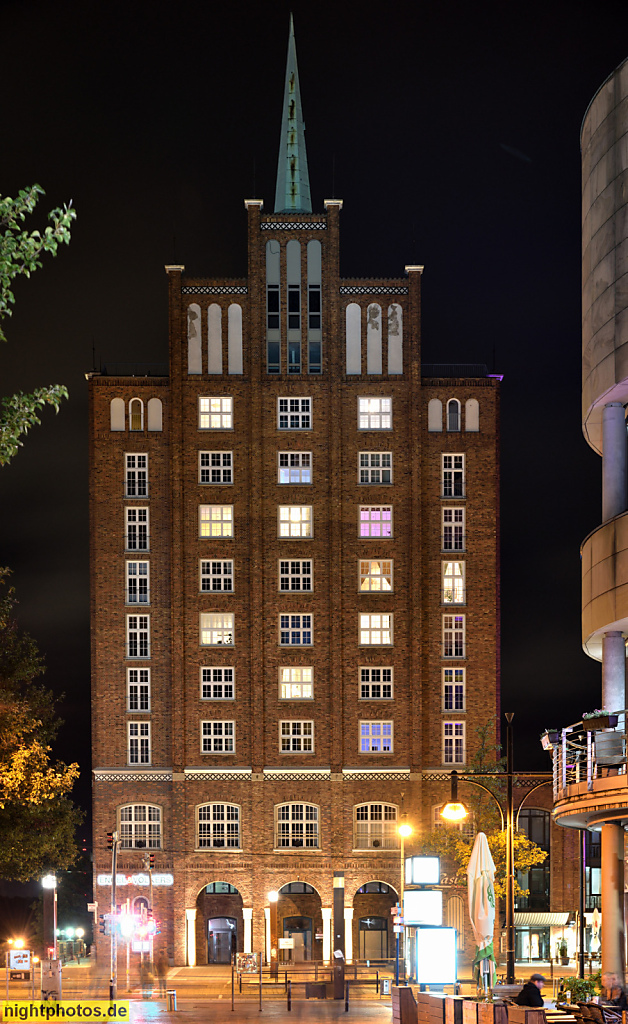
<point x="300" y="921"/>
<point x="373" y="936"/>
<point x="219" y="923"/>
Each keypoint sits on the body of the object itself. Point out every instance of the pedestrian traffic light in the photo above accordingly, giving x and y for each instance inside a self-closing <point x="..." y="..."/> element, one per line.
<point x="110" y="841"/>
<point x="151" y="860"/>
<point x="149" y="914"/>
<point x="102" y="924"/>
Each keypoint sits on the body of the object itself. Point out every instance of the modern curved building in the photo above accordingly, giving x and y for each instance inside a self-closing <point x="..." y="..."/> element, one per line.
<point x="590" y="780"/>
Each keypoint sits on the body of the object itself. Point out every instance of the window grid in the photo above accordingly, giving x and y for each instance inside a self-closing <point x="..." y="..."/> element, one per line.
<point x="138" y="636"/>
<point x="140" y="827"/>
<point x="375" y="827"/>
<point x="138" y="689"/>
<point x="137" y="583"/>
<point x="453" y="636"/>
<point x="375" y="467"/>
<point x="136" y="535"/>
<point x="215" y="413"/>
<point x="376" y="737"/>
<point x="453" y="742"/>
<point x="376" y="521"/>
<point x="215" y="520"/>
<point x="295" y="630"/>
<point x="216" y="577"/>
<point x="294" y="413"/>
<point x="453" y="529"/>
<point x="136" y="476"/>
<point x="295" y="576"/>
<point x="294" y="468"/>
<point x="218" y="737"/>
<point x="375" y="413"/>
<point x="139" y="742"/>
<point x="454" y="689"/>
<point x="216" y="629"/>
<point x="295" y="521"/>
<point x="296" y="736"/>
<point x="297" y="826"/>
<point x="453" y="476"/>
<point x="453" y="583"/>
<point x="376" y="683"/>
<point x="217" y="683"/>
<point x="376" y="629"/>
<point x="136" y="414"/>
<point x="218" y="826"/>
<point x="376" y="576"/>
<point x="215" y="467"/>
<point x="295" y="683"/>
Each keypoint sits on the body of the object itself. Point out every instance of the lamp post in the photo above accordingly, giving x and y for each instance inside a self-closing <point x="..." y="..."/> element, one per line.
<point x="49" y="885"/>
<point x="403" y="831"/>
<point x="273" y="898"/>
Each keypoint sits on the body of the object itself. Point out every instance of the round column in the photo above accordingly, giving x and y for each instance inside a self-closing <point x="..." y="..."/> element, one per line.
<point x="613" y="672"/>
<point x="613" y="460"/>
<point x="613" y="940"/>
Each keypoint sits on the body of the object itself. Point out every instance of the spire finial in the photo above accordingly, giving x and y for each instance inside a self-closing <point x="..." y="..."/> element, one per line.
<point x="293" y="182"/>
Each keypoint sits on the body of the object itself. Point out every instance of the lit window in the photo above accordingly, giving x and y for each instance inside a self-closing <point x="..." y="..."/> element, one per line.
<point x="376" y="575"/>
<point x="218" y="826"/>
<point x="136" y="414"/>
<point x="215" y="413"/>
<point x="376" y="683"/>
<point x="136" y="476"/>
<point x="295" y="576"/>
<point x="296" y="737"/>
<point x="137" y="583"/>
<point x="453" y="529"/>
<point x="138" y="636"/>
<point x="294" y="468"/>
<point x="453" y="583"/>
<point x="453" y="636"/>
<point x="216" y="520"/>
<point x="217" y="683"/>
<point x="217" y="737"/>
<point x="454" y="689"/>
<point x="294" y="413"/>
<point x="376" y="629"/>
<point x="296" y="826"/>
<point x="453" y="476"/>
<point x="217" y="577"/>
<point x="138" y="689"/>
<point x="137" y="536"/>
<point x="375" y="413"/>
<point x="295" y="520"/>
<point x="375" y="467"/>
<point x="376" y="520"/>
<point x="375" y="827"/>
<point x="216" y="629"/>
<point x="453" y="742"/>
<point x="295" y="630"/>
<point x="140" y="827"/>
<point x="139" y="742"/>
<point x="376" y="737"/>
<point x="215" y="467"/>
<point x="295" y="683"/>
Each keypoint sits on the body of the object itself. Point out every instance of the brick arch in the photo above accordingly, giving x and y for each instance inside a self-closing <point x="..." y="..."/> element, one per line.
<point x="195" y="887"/>
<point x="374" y="876"/>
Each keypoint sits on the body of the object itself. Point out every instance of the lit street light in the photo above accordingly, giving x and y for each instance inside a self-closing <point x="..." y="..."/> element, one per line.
<point x="404" y="831"/>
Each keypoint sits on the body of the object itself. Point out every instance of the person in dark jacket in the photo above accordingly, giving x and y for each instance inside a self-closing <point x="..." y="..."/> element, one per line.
<point x="530" y="994"/>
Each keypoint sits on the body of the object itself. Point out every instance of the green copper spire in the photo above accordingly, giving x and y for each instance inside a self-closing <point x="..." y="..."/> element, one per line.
<point x="293" y="182"/>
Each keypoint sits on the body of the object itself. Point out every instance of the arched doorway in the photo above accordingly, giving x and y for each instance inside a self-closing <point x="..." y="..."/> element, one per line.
<point x="373" y="937"/>
<point x="300" y="920"/>
<point x="219" y="923"/>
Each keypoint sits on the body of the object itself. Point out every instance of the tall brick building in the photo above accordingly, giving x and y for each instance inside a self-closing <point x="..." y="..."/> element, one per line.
<point x="295" y="580"/>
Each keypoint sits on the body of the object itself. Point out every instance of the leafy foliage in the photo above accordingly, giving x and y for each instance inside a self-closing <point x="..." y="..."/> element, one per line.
<point x="20" y="255"/>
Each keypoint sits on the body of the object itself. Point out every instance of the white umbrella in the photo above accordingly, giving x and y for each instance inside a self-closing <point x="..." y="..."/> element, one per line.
<point x="481" y="882"/>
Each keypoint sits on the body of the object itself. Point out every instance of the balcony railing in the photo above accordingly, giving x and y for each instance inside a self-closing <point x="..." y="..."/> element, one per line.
<point x="581" y="756"/>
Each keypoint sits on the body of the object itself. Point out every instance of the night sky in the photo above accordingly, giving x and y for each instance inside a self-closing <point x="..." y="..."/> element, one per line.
<point x="451" y="132"/>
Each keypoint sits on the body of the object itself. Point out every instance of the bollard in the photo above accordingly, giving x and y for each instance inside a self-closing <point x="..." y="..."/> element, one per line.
<point x="290" y="995"/>
<point x="232" y="988"/>
<point x="171" y="999"/>
<point x="285" y="981"/>
<point x="377" y="982"/>
<point x="346" y="996"/>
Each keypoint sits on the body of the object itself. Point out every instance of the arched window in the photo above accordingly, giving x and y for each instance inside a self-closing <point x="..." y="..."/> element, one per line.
<point x="472" y="414"/>
<point x="296" y="825"/>
<point x="353" y="337"/>
<point x="214" y="338"/>
<point x="453" y="414"/>
<point x="218" y="825"/>
<point x="434" y="414"/>
<point x="140" y="826"/>
<point x="455" y="918"/>
<point x="195" y="360"/>
<point x="234" y="338"/>
<point x="395" y="338"/>
<point x="155" y="414"/>
<point x="374" y="338"/>
<point x="117" y="413"/>
<point x="136" y="414"/>
<point x="375" y="827"/>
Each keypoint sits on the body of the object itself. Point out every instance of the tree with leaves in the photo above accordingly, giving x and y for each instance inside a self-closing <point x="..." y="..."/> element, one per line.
<point x="20" y="255"/>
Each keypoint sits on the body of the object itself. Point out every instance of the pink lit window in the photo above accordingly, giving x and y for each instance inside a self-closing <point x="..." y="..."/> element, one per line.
<point x="375" y="520"/>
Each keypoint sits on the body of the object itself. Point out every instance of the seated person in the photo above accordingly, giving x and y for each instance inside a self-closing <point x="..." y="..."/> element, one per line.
<point x="530" y="994"/>
<point x="613" y="992"/>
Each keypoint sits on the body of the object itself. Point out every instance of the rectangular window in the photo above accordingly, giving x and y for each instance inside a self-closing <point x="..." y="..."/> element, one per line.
<point x="453" y="583"/>
<point x="216" y="629"/>
<point x="376" y="737"/>
<point x="376" y="629"/>
<point x="136" y="535"/>
<point x="216" y="577"/>
<point x="272" y="308"/>
<point x="376" y="683"/>
<point x="376" y="521"/>
<point x="294" y="413"/>
<point x="215" y="467"/>
<point x="296" y="737"/>
<point x="295" y="630"/>
<point x="138" y="689"/>
<point x="453" y="476"/>
<point x="375" y="413"/>
<point x="215" y="413"/>
<point x="138" y="636"/>
<point x="139" y="742"/>
<point x="294" y="308"/>
<point x="136" y="476"/>
<point x="296" y="683"/>
<point x="217" y="737"/>
<point x="217" y="683"/>
<point x="137" y="583"/>
<point x="375" y="467"/>
<point x="376" y="575"/>
<point x="295" y="577"/>
<point x="454" y="689"/>
<point x="314" y="309"/>
<point x="453" y="636"/>
<point x="295" y="520"/>
<point x="215" y="520"/>
<point x="294" y="468"/>
<point x="453" y="742"/>
<point x="453" y="529"/>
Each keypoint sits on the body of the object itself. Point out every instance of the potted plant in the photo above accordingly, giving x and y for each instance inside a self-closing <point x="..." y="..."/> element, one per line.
<point x="593" y="721"/>
<point x="562" y="952"/>
<point x="549" y="739"/>
<point x="580" y="989"/>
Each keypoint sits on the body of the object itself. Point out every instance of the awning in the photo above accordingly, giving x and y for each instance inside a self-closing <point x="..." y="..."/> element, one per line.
<point x="555" y="920"/>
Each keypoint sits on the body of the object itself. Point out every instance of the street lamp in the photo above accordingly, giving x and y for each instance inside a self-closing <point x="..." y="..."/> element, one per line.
<point x="273" y="897"/>
<point x="49" y="885"/>
<point x="404" y="831"/>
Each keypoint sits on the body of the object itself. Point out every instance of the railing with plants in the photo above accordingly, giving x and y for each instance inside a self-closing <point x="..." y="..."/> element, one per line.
<point x="590" y="749"/>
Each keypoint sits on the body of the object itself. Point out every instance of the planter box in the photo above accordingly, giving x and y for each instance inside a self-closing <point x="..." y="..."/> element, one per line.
<point x="601" y="722"/>
<point x="492" y="1013"/>
<point x="404" y="1007"/>
<point x="526" y="1015"/>
<point x="453" y="1009"/>
<point x="469" y="1011"/>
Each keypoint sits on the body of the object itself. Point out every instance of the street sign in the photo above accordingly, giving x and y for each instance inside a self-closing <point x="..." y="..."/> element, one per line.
<point x="20" y="960"/>
<point x="92" y="908"/>
<point x="286" y="943"/>
<point x="398" y="928"/>
<point x="397" y="920"/>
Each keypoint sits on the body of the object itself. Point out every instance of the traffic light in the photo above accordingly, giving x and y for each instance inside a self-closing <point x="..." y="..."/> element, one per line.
<point x="149" y="914"/>
<point x="151" y="861"/>
<point x="110" y="841"/>
<point x="102" y="924"/>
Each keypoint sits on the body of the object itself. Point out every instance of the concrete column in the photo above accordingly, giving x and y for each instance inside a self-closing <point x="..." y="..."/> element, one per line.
<point x="348" y="933"/>
<point x="613" y="672"/>
<point x="326" y="912"/>
<point x="267" y="933"/>
<point x="190" y="937"/>
<point x="613" y="939"/>
<point x="247" y="914"/>
<point x="614" y="461"/>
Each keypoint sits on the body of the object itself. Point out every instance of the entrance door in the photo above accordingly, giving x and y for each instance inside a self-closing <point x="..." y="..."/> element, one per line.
<point x="221" y="939"/>
<point x="373" y="938"/>
<point x="299" y="929"/>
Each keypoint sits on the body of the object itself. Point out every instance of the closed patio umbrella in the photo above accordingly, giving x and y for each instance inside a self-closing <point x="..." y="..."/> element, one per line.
<point x="481" y="883"/>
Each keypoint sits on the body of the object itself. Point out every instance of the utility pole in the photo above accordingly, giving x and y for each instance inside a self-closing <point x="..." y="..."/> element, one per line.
<point x="114" y="842"/>
<point x="149" y="864"/>
<point x="510" y="859"/>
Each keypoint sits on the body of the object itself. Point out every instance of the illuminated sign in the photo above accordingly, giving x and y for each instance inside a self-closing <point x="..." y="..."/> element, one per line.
<point x="436" y="956"/>
<point x="423" y="906"/>
<point x="422" y="870"/>
<point x="20" y="960"/>
<point x="139" y="879"/>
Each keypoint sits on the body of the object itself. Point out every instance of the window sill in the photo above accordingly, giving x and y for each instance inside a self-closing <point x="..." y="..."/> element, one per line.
<point x="218" y="753"/>
<point x="375" y="849"/>
<point x="218" y="849"/>
<point x="297" y="849"/>
<point x="454" y="711"/>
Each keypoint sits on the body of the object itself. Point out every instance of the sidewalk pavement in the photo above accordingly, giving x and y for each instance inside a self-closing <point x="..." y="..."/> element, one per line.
<point x="218" y="1011"/>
